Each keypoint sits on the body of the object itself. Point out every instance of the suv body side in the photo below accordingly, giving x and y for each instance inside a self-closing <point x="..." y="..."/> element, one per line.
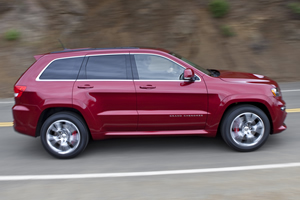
<point x="124" y="109"/>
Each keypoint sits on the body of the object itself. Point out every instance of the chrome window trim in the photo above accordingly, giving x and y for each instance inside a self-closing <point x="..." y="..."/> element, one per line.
<point x="130" y="80"/>
<point x="104" y="80"/>
<point x="168" y="80"/>
<point x="38" y="77"/>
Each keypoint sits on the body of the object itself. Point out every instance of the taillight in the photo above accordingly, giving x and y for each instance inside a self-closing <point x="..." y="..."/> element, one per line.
<point x="19" y="90"/>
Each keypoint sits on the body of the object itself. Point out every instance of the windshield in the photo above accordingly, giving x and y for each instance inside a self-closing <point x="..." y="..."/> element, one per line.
<point x="191" y="63"/>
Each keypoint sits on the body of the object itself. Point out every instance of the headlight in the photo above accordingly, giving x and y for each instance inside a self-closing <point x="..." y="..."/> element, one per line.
<point x="276" y="92"/>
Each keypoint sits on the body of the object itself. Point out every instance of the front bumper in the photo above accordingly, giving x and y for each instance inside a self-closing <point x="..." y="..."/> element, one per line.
<point x="279" y="115"/>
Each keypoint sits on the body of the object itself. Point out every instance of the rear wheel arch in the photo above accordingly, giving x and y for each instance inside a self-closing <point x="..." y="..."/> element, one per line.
<point x="64" y="134"/>
<point x="52" y="110"/>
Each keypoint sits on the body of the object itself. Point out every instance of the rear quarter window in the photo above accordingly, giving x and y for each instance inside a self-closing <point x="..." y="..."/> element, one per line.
<point x="66" y="68"/>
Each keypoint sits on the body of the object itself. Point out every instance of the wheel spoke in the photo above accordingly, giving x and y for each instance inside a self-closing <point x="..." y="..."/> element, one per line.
<point x="57" y="126"/>
<point x="64" y="147"/>
<point x="250" y="117"/>
<point x="250" y="138"/>
<point x="257" y="127"/>
<point x="68" y="127"/>
<point x="53" y="138"/>
<point x="239" y="122"/>
<point x="239" y="136"/>
<point x="57" y="144"/>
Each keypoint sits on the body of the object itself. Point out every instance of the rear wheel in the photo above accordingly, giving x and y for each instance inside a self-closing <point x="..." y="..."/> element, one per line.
<point x="64" y="135"/>
<point x="245" y="128"/>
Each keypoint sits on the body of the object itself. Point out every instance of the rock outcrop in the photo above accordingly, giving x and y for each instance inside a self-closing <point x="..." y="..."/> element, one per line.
<point x="266" y="34"/>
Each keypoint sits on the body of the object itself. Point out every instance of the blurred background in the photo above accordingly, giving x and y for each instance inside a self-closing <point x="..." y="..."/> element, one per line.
<point x="259" y="36"/>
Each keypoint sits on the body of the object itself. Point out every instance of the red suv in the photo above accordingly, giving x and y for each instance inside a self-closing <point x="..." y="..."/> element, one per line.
<point x="70" y="96"/>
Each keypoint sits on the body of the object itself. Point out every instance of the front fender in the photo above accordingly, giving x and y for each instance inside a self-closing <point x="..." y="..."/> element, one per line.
<point x="216" y="112"/>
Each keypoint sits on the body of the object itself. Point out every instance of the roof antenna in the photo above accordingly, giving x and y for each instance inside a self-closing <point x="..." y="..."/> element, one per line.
<point x="62" y="44"/>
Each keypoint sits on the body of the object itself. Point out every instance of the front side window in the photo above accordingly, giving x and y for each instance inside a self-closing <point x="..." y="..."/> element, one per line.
<point x="191" y="63"/>
<point x="152" y="67"/>
<point x="106" y="67"/>
<point x="66" y="68"/>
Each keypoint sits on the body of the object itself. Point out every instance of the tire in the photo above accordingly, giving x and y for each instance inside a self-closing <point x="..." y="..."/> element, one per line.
<point x="64" y="135"/>
<point x="245" y="128"/>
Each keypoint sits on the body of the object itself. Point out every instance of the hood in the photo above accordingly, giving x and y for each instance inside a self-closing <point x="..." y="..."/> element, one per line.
<point x="230" y="76"/>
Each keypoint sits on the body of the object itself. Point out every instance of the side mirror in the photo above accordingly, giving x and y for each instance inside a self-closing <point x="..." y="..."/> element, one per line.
<point x="188" y="74"/>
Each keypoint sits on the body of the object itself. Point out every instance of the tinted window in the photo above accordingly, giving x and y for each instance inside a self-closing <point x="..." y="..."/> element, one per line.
<point x="157" y="68"/>
<point x="63" y="69"/>
<point x="106" y="67"/>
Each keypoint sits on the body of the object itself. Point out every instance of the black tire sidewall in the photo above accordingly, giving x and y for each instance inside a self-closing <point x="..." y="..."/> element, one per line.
<point x="230" y="116"/>
<point x="77" y="121"/>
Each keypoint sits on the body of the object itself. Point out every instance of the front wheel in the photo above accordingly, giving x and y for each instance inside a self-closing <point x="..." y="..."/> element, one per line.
<point x="245" y="128"/>
<point x="64" y="135"/>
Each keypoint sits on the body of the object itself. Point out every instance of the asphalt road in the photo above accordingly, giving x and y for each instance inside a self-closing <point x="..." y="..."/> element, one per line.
<point x="23" y="155"/>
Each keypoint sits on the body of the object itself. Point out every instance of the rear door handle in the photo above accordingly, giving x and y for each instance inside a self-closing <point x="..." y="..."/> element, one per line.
<point x="85" y="86"/>
<point x="148" y="87"/>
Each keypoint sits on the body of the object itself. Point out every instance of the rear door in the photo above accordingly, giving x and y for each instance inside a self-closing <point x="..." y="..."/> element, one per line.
<point x="164" y="101"/>
<point x="105" y="89"/>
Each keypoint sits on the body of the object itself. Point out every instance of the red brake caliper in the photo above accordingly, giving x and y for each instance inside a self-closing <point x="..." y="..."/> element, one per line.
<point x="73" y="135"/>
<point x="236" y="129"/>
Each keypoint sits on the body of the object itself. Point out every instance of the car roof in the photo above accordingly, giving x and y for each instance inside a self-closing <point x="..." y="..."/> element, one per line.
<point x="96" y="50"/>
<point x="112" y="48"/>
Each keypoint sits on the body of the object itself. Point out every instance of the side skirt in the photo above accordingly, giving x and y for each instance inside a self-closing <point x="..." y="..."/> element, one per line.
<point x="202" y="133"/>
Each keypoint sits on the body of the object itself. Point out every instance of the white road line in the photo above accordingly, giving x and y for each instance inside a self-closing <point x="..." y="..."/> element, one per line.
<point x="298" y="90"/>
<point x="149" y="173"/>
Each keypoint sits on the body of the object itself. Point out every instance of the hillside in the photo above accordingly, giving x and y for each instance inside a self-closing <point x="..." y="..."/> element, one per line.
<point x="259" y="36"/>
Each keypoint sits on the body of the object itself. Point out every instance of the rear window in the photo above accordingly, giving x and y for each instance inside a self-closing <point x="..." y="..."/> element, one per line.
<point x="66" y="68"/>
<point x="106" y="67"/>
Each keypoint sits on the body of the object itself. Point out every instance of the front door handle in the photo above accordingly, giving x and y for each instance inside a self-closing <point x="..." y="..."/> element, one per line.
<point x="148" y="87"/>
<point x="85" y="86"/>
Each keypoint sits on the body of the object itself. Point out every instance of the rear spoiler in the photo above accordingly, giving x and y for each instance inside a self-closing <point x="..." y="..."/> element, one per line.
<point x="38" y="56"/>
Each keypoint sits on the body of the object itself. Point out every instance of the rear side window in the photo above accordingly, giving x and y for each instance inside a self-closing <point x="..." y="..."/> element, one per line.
<point x="106" y="67"/>
<point x="67" y="68"/>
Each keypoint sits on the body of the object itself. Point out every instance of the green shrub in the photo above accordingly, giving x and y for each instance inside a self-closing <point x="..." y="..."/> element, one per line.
<point x="227" y="31"/>
<point x="12" y="34"/>
<point x="219" y="8"/>
<point x="295" y="7"/>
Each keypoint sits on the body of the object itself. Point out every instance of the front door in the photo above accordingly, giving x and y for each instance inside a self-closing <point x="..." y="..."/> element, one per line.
<point x="164" y="100"/>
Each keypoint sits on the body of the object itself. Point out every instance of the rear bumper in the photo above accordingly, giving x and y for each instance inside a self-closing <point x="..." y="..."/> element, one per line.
<point x="23" y="121"/>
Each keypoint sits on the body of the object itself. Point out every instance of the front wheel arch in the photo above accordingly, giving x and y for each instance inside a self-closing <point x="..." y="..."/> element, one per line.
<point x="261" y="106"/>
